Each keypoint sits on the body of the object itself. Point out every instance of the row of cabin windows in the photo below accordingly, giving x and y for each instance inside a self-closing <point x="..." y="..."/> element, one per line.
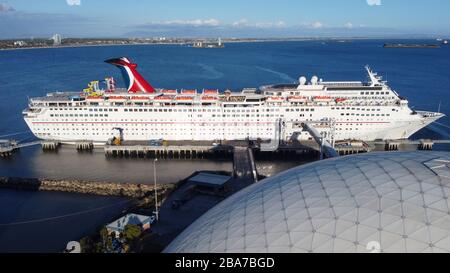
<point x="85" y="109"/>
<point x="365" y="115"/>
<point x="164" y="110"/>
<point x="79" y="115"/>
<point x="96" y="122"/>
<point x="145" y="129"/>
<point x="357" y="109"/>
<point x="198" y="110"/>
<point x="371" y="98"/>
<point x="375" y="93"/>
<point x="243" y="116"/>
<point x="300" y="110"/>
<point x="149" y="120"/>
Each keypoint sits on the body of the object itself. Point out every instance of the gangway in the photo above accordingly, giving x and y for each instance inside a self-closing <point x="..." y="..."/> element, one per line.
<point x="274" y="143"/>
<point x="326" y="148"/>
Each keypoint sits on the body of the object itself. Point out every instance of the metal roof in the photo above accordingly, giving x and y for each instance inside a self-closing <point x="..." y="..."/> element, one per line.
<point x="129" y="219"/>
<point x="209" y="179"/>
<point x="388" y="202"/>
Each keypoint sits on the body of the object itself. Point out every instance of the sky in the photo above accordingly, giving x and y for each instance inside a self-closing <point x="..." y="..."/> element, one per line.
<point x="230" y="18"/>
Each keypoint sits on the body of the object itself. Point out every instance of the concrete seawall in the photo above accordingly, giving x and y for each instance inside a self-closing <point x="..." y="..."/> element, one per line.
<point x="83" y="187"/>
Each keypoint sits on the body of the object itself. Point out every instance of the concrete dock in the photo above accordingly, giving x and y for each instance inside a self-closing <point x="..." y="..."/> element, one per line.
<point x="206" y="149"/>
<point x="167" y="152"/>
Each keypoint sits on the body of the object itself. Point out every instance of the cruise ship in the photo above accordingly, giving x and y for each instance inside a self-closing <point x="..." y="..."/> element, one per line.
<point x="344" y="110"/>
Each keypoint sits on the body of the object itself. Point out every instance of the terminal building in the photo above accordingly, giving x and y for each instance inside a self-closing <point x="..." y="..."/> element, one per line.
<point x="380" y="202"/>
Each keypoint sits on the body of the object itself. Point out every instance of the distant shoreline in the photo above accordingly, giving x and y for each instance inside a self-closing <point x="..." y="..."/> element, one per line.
<point x="189" y="42"/>
<point x="80" y="46"/>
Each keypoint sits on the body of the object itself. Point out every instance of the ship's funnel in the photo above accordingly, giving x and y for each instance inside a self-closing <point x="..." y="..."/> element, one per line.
<point x="134" y="81"/>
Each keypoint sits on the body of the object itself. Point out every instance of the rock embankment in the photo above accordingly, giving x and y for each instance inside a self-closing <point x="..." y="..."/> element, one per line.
<point x="83" y="187"/>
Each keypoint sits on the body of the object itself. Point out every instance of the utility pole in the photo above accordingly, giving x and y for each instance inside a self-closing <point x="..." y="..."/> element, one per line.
<point x="156" y="191"/>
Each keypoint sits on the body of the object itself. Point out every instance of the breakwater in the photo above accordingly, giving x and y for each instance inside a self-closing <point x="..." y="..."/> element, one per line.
<point x="83" y="187"/>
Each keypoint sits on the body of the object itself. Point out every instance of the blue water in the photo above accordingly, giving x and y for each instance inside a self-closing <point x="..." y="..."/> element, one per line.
<point x="46" y="221"/>
<point x="421" y="75"/>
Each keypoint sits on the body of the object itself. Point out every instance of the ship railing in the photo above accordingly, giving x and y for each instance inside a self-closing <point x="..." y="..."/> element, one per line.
<point x="427" y="114"/>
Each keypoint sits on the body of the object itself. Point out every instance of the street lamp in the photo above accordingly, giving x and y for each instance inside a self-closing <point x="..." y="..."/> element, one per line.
<point x="156" y="191"/>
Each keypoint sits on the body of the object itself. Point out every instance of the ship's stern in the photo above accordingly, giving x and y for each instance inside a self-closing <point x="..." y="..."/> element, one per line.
<point x="29" y="115"/>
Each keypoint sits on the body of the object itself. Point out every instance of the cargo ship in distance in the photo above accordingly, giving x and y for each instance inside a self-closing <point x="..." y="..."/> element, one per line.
<point x="344" y="110"/>
<point x="411" y="46"/>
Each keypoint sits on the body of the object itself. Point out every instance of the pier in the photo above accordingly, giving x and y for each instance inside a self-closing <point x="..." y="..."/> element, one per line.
<point x="203" y="150"/>
<point x="167" y="152"/>
<point x="49" y="145"/>
<point x="353" y="148"/>
<point x="7" y="147"/>
<point x="84" y="146"/>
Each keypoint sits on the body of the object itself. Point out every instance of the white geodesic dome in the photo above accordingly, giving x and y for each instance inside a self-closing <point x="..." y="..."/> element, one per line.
<point x="388" y="202"/>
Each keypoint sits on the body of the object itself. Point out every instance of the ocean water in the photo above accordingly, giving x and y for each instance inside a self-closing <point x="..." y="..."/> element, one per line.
<point x="421" y="75"/>
<point x="46" y="221"/>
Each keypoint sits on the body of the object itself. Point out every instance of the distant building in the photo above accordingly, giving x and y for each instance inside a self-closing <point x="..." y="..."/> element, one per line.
<point x="198" y="44"/>
<point x="119" y="225"/>
<point x="203" y="44"/>
<point x="210" y="181"/>
<point x="20" y="43"/>
<point x="57" y="39"/>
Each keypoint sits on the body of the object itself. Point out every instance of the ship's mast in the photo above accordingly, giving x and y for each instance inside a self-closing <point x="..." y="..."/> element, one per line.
<point x="375" y="80"/>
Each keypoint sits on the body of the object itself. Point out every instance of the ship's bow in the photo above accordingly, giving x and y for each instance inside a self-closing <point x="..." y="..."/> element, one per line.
<point x="430" y="117"/>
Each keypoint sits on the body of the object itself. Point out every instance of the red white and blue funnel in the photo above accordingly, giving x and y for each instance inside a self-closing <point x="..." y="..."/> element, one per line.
<point x="134" y="81"/>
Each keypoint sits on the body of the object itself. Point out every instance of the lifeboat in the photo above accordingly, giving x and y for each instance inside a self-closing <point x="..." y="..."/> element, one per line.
<point x="275" y="99"/>
<point x="209" y="98"/>
<point x="322" y="99"/>
<point x="210" y="92"/>
<point x="297" y="99"/>
<point x="116" y="98"/>
<point x="94" y="98"/>
<point x="139" y="98"/>
<point x="164" y="98"/>
<point x="188" y="92"/>
<point x="170" y="92"/>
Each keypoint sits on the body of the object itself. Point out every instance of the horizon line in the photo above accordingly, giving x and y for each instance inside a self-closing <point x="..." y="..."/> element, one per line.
<point x="406" y="37"/>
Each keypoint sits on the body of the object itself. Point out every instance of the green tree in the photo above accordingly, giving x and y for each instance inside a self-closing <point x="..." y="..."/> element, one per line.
<point x="132" y="232"/>
<point x="86" y="244"/>
<point x="106" y="240"/>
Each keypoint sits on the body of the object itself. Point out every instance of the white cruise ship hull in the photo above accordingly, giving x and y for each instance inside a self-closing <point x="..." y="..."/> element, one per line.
<point x="179" y="126"/>
<point x="338" y="110"/>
